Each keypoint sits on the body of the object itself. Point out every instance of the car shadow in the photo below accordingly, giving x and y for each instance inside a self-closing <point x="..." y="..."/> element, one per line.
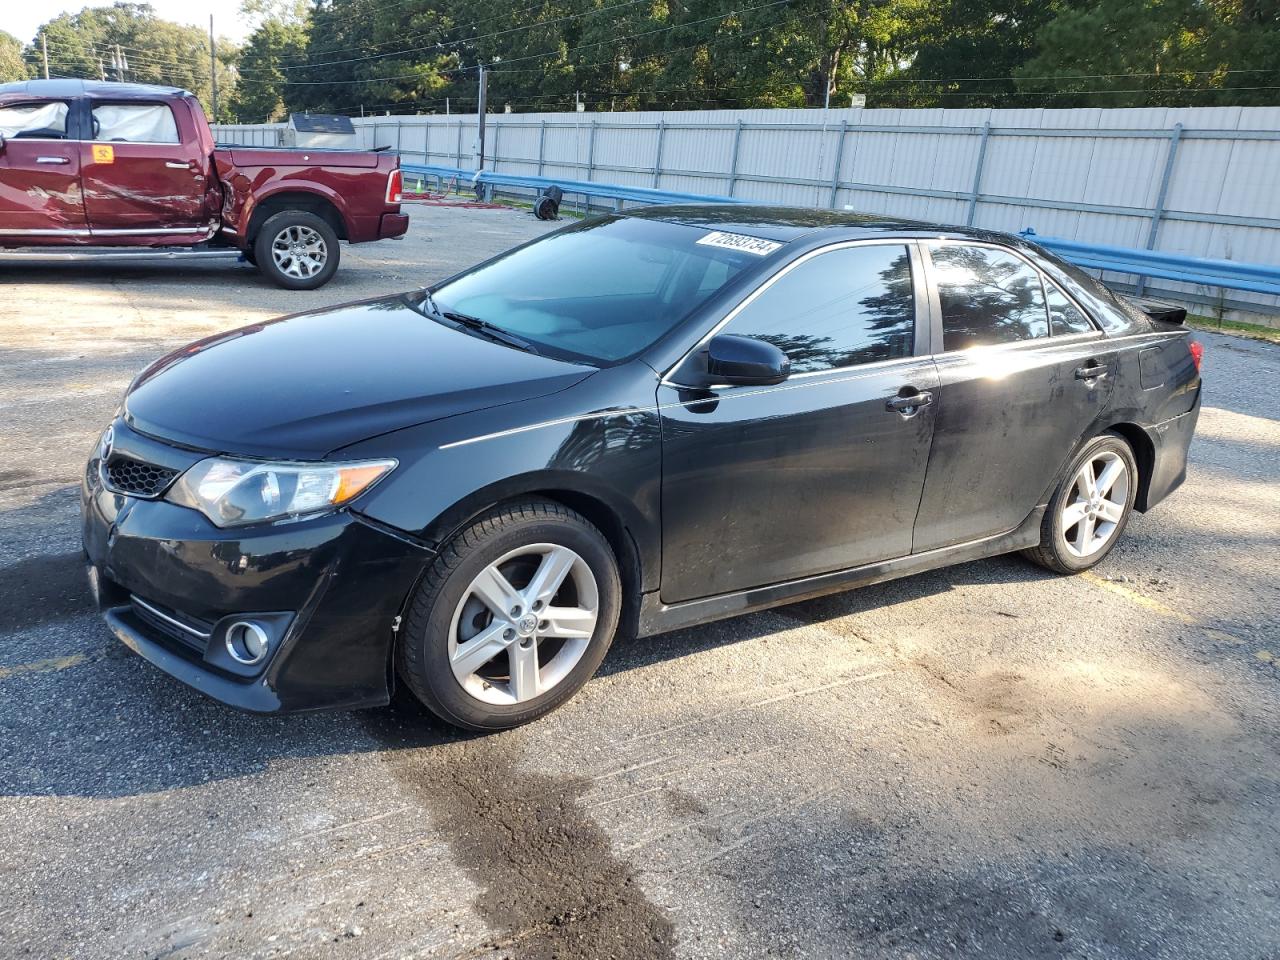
<point x="83" y="716"/>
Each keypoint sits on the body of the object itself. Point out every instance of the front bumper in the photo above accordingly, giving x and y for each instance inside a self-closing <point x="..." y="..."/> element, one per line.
<point x="329" y="589"/>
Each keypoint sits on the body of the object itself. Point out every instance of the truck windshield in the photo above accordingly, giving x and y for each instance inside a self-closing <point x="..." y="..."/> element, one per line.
<point x="601" y="291"/>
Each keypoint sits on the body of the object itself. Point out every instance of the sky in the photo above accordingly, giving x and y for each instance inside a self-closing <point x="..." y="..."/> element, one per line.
<point x="23" y="18"/>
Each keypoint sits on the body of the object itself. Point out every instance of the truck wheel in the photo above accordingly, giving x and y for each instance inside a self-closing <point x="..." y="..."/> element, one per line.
<point x="297" y="250"/>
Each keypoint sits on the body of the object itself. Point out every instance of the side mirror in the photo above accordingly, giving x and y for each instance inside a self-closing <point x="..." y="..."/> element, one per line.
<point x="731" y="360"/>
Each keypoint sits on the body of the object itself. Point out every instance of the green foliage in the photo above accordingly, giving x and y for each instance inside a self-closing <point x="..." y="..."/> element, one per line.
<point x="416" y="56"/>
<point x="158" y="51"/>
<point x="260" y="93"/>
<point x="12" y="66"/>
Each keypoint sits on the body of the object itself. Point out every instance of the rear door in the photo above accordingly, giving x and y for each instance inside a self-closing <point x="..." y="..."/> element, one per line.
<point x="143" y="170"/>
<point x="40" y="196"/>
<point x="823" y="471"/>
<point x="1023" y="373"/>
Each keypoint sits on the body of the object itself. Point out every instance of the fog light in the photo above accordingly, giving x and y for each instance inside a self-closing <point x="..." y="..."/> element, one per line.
<point x="247" y="642"/>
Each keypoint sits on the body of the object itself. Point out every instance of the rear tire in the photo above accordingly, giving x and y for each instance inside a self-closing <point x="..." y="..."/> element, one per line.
<point x="1090" y="509"/>
<point x="297" y="250"/>
<point x="513" y="616"/>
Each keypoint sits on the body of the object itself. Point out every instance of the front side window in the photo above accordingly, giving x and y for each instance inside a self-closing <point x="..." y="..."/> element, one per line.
<point x="134" y="123"/>
<point x="45" y="121"/>
<point x="988" y="296"/>
<point x="850" y="306"/>
<point x="602" y="291"/>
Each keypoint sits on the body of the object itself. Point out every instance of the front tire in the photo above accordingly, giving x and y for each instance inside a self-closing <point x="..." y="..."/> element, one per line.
<point x="1091" y="507"/>
<point x="512" y="617"/>
<point x="297" y="250"/>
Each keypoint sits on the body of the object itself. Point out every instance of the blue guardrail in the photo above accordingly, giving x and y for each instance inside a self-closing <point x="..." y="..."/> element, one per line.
<point x="1254" y="277"/>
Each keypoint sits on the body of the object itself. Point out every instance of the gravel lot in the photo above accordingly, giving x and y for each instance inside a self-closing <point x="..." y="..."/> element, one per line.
<point x="986" y="760"/>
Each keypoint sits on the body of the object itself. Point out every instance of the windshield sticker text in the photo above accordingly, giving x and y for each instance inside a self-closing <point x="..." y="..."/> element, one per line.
<point x="736" y="241"/>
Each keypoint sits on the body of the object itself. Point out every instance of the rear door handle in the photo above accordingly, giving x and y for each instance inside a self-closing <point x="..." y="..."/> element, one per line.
<point x="53" y="160"/>
<point x="1091" y="372"/>
<point x="901" y="404"/>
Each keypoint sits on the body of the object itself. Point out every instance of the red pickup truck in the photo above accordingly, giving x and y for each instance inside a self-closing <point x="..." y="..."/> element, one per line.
<point x="93" y="165"/>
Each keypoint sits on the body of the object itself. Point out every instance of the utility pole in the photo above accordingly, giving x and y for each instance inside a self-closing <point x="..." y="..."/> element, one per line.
<point x="484" y="96"/>
<point x="44" y="47"/>
<point x="213" y="68"/>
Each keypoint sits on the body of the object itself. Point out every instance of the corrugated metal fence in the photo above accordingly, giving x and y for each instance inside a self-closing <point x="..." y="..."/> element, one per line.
<point x="1202" y="181"/>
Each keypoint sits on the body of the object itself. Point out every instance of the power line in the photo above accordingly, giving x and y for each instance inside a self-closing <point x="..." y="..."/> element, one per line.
<point x="501" y="66"/>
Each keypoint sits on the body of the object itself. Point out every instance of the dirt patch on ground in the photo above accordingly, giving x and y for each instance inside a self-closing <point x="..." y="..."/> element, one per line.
<point x="552" y="887"/>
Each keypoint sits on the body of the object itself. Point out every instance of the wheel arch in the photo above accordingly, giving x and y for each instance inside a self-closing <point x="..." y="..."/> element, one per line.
<point x="1143" y="453"/>
<point x="633" y="545"/>
<point x="307" y="201"/>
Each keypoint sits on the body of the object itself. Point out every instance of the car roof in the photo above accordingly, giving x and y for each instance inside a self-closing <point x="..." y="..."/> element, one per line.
<point x="783" y="224"/>
<point x="67" y="87"/>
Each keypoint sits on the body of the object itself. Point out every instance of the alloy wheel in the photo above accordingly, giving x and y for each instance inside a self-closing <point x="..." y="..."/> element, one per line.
<point x="299" y="252"/>
<point x="523" y="624"/>
<point x="1096" y="504"/>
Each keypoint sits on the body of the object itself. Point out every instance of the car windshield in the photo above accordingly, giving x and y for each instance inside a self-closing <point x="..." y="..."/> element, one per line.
<point x="601" y="291"/>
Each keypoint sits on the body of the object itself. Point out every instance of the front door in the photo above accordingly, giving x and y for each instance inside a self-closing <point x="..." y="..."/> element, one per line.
<point x="1016" y="391"/>
<point x="768" y="484"/>
<point x="40" y="198"/>
<point x="140" y="176"/>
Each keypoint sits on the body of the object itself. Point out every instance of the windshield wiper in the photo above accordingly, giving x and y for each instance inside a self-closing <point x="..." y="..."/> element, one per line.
<point x="475" y="323"/>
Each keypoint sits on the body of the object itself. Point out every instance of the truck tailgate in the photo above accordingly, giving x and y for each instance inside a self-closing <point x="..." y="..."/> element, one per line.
<point x="292" y="157"/>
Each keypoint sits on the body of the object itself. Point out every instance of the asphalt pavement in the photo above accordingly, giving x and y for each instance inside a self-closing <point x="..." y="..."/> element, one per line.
<point x="986" y="760"/>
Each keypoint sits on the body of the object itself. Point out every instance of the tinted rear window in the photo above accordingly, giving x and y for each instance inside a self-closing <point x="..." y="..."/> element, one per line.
<point x="604" y="290"/>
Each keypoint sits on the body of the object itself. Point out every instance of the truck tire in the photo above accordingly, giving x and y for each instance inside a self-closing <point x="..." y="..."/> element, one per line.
<point x="297" y="250"/>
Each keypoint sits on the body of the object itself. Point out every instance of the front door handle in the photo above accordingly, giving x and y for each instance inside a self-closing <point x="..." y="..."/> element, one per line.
<point x="1091" y="371"/>
<point x="908" y="404"/>
<point x="53" y="160"/>
<point x="177" y="165"/>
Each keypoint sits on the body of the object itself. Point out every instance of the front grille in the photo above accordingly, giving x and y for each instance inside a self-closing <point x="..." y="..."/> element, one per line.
<point x="137" y="479"/>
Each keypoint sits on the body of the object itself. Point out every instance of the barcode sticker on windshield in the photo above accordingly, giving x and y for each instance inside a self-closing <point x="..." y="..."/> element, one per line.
<point x="736" y="241"/>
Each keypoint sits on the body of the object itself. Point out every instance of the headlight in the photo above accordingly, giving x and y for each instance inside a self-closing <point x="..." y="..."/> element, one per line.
<point x="234" y="492"/>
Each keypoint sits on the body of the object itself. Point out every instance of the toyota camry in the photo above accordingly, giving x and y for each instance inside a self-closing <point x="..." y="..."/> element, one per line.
<point x="642" y="421"/>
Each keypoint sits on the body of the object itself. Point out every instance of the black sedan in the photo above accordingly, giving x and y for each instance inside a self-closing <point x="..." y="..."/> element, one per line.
<point x="637" y="423"/>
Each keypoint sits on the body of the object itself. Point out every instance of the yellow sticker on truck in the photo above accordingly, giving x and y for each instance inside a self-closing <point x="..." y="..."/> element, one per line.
<point x="737" y="241"/>
<point x="104" y="153"/>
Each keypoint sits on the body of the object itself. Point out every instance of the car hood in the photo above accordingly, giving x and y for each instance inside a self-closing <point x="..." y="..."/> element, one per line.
<point x="302" y="386"/>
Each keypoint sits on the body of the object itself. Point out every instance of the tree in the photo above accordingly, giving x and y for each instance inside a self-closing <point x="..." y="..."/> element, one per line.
<point x="157" y="51"/>
<point x="260" y="92"/>
<point x="1119" y="53"/>
<point x="12" y="66"/>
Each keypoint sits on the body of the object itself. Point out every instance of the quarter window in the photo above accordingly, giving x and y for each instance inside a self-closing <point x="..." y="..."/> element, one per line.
<point x="987" y="296"/>
<point x="850" y="306"/>
<point x="134" y="123"/>
<point x="46" y="121"/>
<point x="1064" y="316"/>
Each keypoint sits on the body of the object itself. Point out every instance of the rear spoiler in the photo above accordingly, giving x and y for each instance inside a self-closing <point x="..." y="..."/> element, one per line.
<point x="1159" y="309"/>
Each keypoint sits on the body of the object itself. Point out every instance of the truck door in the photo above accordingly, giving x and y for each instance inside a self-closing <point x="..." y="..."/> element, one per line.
<point x="40" y="196"/>
<point x="144" y="172"/>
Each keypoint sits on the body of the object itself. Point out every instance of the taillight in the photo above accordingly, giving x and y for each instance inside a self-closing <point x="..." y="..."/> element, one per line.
<point x="1197" y="353"/>
<point x="395" y="186"/>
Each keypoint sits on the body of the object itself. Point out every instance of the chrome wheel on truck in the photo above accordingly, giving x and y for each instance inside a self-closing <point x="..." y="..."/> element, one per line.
<point x="297" y="250"/>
